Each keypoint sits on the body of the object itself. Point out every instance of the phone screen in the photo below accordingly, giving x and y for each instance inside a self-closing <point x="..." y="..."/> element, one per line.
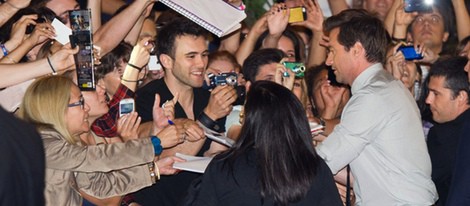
<point x="418" y="5"/>
<point x="126" y="108"/>
<point x="297" y="14"/>
<point x="410" y="53"/>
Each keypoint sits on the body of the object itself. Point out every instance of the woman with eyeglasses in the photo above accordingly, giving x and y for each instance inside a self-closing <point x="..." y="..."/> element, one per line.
<point x="56" y="106"/>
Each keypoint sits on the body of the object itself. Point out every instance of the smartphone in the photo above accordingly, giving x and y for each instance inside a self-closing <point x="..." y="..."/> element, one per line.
<point x="82" y="38"/>
<point x="410" y="53"/>
<point x="126" y="106"/>
<point x="297" y="14"/>
<point x="418" y="5"/>
<point x="332" y="78"/>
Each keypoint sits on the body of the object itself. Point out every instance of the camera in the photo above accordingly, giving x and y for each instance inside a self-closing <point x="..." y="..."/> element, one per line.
<point x="296" y="67"/>
<point x="297" y="14"/>
<point x="229" y="78"/>
<point x="410" y="53"/>
<point x="418" y="5"/>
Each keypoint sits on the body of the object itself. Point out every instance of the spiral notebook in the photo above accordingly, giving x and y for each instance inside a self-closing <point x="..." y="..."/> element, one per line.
<point x="216" y="16"/>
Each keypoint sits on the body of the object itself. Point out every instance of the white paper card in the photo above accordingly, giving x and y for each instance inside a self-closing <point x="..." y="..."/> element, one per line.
<point x="63" y="32"/>
<point x="193" y="163"/>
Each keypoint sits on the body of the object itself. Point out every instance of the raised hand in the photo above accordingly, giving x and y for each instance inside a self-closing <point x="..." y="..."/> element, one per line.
<point x="314" y="20"/>
<point x="278" y="19"/>
<point x="220" y="102"/>
<point x="162" y="115"/>
<point x="128" y="126"/>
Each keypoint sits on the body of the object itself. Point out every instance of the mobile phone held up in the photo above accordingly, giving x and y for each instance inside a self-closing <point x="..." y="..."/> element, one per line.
<point x="410" y="53"/>
<point x="418" y="5"/>
<point x="80" y="21"/>
<point x="126" y="106"/>
<point x="297" y="14"/>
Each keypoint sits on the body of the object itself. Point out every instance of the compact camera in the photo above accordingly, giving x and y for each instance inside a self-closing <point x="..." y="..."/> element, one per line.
<point x="229" y="78"/>
<point x="296" y="67"/>
<point x="410" y="53"/>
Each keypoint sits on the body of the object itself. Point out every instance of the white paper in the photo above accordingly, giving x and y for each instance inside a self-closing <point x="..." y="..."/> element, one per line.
<point x="153" y="63"/>
<point x="193" y="163"/>
<point x="63" y="32"/>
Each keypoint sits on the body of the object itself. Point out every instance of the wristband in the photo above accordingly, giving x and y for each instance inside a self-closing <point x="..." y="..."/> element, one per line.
<point x="135" y="67"/>
<point x="52" y="68"/>
<point x="157" y="145"/>
<point x="4" y="50"/>
<point x="208" y="122"/>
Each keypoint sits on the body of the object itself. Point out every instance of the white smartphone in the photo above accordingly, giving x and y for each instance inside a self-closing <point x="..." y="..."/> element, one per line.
<point x="126" y="106"/>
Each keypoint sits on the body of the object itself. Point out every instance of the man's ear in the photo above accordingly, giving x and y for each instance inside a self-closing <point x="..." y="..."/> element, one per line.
<point x="463" y="97"/>
<point x="166" y="61"/>
<point x="358" y="49"/>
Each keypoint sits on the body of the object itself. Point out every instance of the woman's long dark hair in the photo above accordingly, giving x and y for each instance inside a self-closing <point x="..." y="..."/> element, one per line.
<point x="277" y="128"/>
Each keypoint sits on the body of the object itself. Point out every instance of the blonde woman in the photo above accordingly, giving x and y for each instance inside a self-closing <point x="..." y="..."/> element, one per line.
<point x="56" y="106"/>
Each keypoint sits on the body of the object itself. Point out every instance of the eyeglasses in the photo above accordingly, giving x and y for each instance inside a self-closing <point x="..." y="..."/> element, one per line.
<point x="80" y="103"/>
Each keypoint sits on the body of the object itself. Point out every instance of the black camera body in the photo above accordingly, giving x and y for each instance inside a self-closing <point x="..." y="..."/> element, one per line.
<point x="30" y="28"/>
<point x="229" y="78"/>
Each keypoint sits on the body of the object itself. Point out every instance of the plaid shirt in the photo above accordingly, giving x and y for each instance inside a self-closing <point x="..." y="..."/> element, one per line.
<point x="106" y="126"/>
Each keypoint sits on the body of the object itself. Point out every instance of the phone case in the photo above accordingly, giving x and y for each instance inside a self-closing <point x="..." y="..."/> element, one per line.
<point x="297" y="14"/>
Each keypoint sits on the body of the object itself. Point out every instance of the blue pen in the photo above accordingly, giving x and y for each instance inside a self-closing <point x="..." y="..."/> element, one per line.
<point x="170" y="122"/>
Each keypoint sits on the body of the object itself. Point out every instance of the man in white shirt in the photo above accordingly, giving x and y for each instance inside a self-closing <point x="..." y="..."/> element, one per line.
<point x="380" y="134"/>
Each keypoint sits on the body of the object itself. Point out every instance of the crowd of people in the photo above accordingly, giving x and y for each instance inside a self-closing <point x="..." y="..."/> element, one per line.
<point x="360" y="123"/>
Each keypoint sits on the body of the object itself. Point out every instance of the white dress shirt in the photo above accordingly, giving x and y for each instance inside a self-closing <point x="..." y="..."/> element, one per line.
<point x="380" y="135"/>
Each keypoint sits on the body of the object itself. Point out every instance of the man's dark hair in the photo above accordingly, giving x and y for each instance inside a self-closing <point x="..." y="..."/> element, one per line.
<point x="259" y="58"/>
<point x="452" y="69"/>
<point x="357" y="25"/>
<point x="179" y="27"/>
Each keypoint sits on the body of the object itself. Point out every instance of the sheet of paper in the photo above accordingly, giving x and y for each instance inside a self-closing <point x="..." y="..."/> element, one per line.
<point x="63" y="32"/>
<point x="193" y="163"/>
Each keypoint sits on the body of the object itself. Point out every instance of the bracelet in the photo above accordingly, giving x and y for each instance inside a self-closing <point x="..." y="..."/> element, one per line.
<point x="50" y="64"/>
<point x="4" y="50"/>
<point x="208" y="122"/>
<point x="152" y="167"/>
<point x="157" y="145"/>
<point x="157" y="171"/>
<point x="13" y="6"/>
<point x="135" y="67"/>
<point x="398" y="40"/>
